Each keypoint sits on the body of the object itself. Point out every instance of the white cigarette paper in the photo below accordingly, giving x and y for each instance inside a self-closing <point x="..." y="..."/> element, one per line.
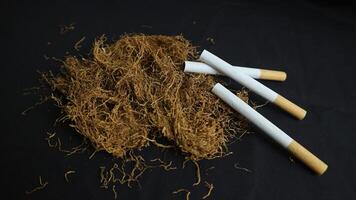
<point x="225" y="68"/>
<point x="202" y="68"/>
<point x="270" y="129"/>
<point x="241" y="78"/>
<point x="252" y="115"/>
<point x="256" y="73"/>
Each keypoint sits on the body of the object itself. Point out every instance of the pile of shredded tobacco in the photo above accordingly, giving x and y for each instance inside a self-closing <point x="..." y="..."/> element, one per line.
<point x="132" y="92"/>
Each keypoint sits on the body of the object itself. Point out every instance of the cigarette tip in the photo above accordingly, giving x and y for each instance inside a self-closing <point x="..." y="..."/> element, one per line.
<point x="185" y="65"/>
<point x="322" y="171"/>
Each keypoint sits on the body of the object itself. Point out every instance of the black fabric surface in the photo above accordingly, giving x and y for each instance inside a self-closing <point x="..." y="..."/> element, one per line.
<point x="314" y="42"/>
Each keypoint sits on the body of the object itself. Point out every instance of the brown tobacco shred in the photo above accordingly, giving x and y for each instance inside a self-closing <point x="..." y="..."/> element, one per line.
<point x="55" y="142"/>
<point x="114" y="191"/>
<point x="78" y="44"/>
<point x="210" y="187"/>
<point x="187" y="196"/>
<point x="209" y="169"/>
<point x="68" y="173"/>
<point x="165" y="165"/>
<point x="198" y="173"/>
<point x="237" y="166"/>
<point x="66" y="28"/>
<point x="133" y="91"/>
<point x="40" y="187"/>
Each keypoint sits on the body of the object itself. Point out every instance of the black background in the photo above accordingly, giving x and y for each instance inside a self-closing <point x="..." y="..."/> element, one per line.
<point x="314" y="42"/>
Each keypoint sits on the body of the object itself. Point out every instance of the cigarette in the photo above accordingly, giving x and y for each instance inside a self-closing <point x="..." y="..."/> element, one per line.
<point x="264" y="74"/>
<point x="225" y="68"/>
<point x="270" y="129"/>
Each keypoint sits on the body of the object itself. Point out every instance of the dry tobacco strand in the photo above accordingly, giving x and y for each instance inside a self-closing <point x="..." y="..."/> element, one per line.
<point x="198" y="173"/>
<point x="78" y="44"/>
<point x="56" y="143"/>
<point x="209" y="169"/>
<point x="114" y="191"/>
<point x="40" y="187"/>
<point x="237" y="166"/>
<point x="210" y="187"/>
<point x="187" y="196"/>
<point x="165" y="165"/>
<point x="68" y="173"/>
<point x="66" y="28"/>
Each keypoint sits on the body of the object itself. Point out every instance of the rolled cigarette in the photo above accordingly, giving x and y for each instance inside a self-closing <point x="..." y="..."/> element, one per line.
<point x="255" y="86"/>
<point x="270" y="129"/>
<point x="265" y="74"/>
